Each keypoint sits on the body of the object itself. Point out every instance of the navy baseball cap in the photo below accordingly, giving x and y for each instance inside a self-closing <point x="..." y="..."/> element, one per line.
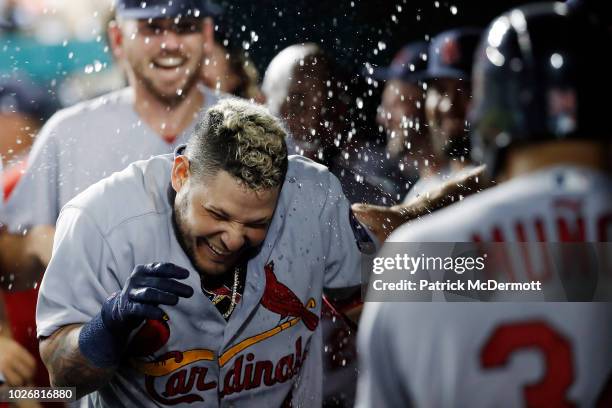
<point x="451" y="53"/>
<point x="145" y="9"/>
<point x="22" y="95"/>
<point x="409" y="64"/>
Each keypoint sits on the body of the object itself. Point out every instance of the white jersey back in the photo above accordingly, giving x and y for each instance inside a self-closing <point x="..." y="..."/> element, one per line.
<point x="498" y="354"/>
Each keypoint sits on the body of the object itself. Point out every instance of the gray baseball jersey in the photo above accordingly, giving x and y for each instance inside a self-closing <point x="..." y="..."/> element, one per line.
<point x="79" y="146"/>
<point x="269" y="350"/>
<point x="497" y="354"/>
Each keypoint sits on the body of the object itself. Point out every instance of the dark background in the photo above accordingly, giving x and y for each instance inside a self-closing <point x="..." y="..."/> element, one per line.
<point x="352" y="32"/>
<point x="349" y="30"/>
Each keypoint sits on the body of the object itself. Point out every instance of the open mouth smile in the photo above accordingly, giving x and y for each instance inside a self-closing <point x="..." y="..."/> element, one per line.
<point x="169" y="62"/>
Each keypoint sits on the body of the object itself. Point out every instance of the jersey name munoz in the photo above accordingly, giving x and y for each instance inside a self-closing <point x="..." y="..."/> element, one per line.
<point x="497" y="354"/>
<point x="270" y="349"/>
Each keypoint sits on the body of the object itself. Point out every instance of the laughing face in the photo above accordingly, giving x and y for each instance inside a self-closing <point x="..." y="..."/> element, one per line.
<point x="162" y="56"/>
<point x="218" y="218"/>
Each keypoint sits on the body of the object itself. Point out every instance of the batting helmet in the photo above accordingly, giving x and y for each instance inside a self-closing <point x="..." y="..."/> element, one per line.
<point x="541" y="73"/>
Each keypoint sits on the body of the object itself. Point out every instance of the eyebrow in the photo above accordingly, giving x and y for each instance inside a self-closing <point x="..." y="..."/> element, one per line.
<point x="263" y="220"/>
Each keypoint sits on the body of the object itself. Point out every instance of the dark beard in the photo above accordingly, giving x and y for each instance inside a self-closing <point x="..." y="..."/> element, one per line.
<point x="172" y="100"/>
<point x="211" y="281"/>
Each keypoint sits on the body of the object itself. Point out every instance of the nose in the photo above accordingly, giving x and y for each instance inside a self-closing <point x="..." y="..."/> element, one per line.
<point x="171" y="41"/>
<point x="233" y="237"/>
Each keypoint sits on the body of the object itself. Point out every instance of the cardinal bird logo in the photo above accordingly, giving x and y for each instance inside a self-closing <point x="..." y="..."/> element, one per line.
<point x="151" y="336"/>
<point x="279" y="299"/>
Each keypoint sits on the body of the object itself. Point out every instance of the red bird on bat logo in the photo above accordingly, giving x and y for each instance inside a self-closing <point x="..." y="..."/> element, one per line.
<point x="279" y="299"/>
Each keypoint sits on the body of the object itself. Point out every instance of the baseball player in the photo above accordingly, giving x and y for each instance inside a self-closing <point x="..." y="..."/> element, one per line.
<point x="302" y="85"/>
<point x="159" y="44"/>
<point x="447" y="175"/>
<point x="402" y="113"/>
<point x="195" y="278"/>
<point x="448" y="94"/>
<point x="537" y="120"/>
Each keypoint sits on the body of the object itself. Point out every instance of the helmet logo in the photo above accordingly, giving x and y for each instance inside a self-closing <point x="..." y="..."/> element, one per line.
<point x="450" y="52"/>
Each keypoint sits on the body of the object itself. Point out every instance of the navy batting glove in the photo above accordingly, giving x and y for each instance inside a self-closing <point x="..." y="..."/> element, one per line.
<point x="103" y="339"/>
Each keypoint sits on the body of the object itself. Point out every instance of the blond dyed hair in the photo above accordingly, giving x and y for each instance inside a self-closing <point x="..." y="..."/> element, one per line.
<point x="243" y="139"/>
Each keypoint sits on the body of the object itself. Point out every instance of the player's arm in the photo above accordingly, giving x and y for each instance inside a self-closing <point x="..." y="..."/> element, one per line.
<point x="86" y="356"/>
<point x="23" y="258"/>
<point x="383" y="220"/>
<point x="67" y="366"/>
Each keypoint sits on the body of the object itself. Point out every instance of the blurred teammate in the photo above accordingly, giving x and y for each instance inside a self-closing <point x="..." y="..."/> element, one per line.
<point x="449" y="90"/>
<point x="303" y="86"/>
<point x="402" y="115"/>
<point x="537" y="125"/>
<point x="226" y="68"/>
<point x="24" y="107"/>
<point x="160" y="47"/>
<point x="447" y="174"/>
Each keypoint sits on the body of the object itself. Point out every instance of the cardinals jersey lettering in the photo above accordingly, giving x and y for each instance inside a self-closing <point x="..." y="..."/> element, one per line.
<point x="497" y="354"/>
<point x="267" y="353"/>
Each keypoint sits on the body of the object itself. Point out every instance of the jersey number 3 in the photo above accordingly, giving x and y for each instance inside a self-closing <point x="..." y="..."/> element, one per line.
<point x="551" y="390"/>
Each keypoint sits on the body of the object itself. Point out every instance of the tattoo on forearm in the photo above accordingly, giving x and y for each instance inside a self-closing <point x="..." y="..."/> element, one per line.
<point x="69" y="368"/>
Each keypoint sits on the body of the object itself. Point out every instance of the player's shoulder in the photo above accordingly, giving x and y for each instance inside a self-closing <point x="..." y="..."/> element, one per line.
<point x="138" y="190"/>
<point x="303" y="169"/>
<point x="453" y="223"/>
<point x="83" y="111"/>
<point x="528" y="193"/>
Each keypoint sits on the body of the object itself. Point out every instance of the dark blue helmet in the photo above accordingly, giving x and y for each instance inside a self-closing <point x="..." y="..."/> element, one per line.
<point x="451" y="53"/>
<point x="409" y="64"/>
<point x="542" y="73"/>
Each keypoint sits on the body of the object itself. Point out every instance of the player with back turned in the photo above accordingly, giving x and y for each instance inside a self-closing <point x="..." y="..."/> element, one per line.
<point x="539" y="86"/>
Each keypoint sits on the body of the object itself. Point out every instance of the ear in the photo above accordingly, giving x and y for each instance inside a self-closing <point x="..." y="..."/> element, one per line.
<point x="180" y="172"/>
<point x="115" y="39"/>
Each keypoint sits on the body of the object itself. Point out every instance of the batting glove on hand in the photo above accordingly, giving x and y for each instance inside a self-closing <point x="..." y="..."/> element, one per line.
<point x="147" y="287"/>
<point x="103" y="339"/>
